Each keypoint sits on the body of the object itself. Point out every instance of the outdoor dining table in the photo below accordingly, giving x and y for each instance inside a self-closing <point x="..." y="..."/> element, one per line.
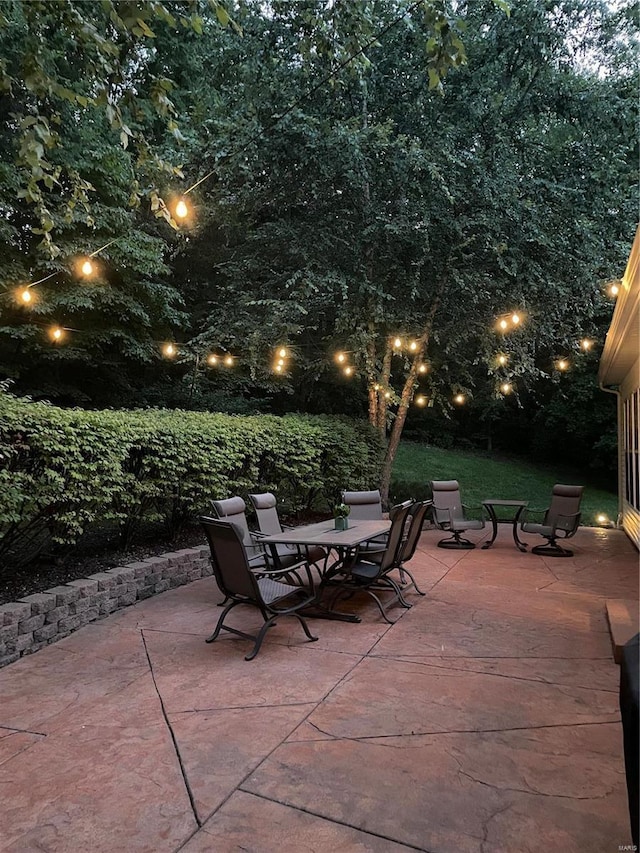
<point x="513" y="509"/>
<point x="344" y="542"/>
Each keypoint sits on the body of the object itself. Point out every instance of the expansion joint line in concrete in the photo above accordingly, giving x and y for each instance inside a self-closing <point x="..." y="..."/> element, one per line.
<point x="171" y="732"/>
<point x="406" y="844"/>
<point x="15" y="731"/>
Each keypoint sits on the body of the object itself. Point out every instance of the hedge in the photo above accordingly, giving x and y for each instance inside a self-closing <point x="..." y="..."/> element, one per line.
<point x="63" y="470"/>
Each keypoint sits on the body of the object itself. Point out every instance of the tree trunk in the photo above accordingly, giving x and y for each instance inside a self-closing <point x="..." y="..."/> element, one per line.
<point x="408" y="391"/>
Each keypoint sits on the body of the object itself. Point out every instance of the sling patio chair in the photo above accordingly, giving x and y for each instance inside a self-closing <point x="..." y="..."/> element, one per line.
<point x="265" y="506"/>
<point x="367" y="506"/>
<point x="234" y="510"/>
<point x="415" y="520"/>
<point x="560" y="520"/>
<point x="362" y="573"/>
<point x="450" y="514"/>
<point x="240" y="585"/>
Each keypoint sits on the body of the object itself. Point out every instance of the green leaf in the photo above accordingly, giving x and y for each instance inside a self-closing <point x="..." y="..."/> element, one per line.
<point x="222" y="15"/>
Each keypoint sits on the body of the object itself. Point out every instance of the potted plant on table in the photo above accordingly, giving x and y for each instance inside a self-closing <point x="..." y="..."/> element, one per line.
<point x="340" y="513"/>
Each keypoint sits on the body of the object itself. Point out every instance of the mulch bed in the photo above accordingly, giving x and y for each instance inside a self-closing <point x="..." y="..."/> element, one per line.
<point x="96" y="552"/>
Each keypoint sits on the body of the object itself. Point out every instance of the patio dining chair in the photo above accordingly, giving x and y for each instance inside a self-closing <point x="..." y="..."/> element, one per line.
<point x="369" y="571"/>
<point x="367" y="506"/>
<point x="416" y="518"/>
<point x="265" y="506"/>
<point x="560" y="520"/>
<point x="450" y="514"/>
<point x="240" y="585"/>
<point x="234" y="509"/>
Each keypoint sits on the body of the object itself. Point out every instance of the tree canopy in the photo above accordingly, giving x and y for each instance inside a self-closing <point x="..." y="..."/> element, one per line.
<point x="356" y="171"/>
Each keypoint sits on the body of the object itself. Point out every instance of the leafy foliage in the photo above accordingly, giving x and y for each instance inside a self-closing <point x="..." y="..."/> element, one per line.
<point x="63" y="470"/>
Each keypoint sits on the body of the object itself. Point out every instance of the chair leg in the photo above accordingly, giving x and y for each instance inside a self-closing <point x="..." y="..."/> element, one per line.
<point x="260" y="638"/>
<point x="413" y="583"/>
<point x="456" y="541"/>
<point x="305" y="627"/>
<point x="221" y="620"/>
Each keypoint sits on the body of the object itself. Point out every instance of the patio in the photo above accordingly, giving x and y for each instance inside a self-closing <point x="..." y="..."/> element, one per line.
<point x="486" y="719"/>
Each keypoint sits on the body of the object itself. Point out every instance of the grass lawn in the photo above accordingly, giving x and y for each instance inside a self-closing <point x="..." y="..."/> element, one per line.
<point x="482" y="477"/>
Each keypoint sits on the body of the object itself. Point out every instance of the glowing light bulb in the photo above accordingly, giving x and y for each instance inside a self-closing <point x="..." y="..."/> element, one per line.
<point x="503" y="324"/>
<point x="278" y="368"/>
<point x="459" y="399"/>
<point x="228" y="360"/>
<point x="502" y="359"/>
<point x="563" y="364"/>
<point x="376" y="387"/>
<point x="586" y="344"/>
<point x="340" y="357"/>
<point x="601" y="518"/>
<point x="387" y="395"/>
<point x="282" y="353"/>
<point x="422" y="368"/>
<point x="421" y="401"/>
<point x="280" y="362"/>
<point x="397" y="343"/>
<point x="515" y="319"/>
<point x="87" y="268"/>
<point x="505" y="388"/>
<point x="56" y="333"/>
<point x="182" y="210"/>
<point x="25" y="295"/>
<point x="413" y="346"/>
<point x="614" y="290"/>
<point x="169" y="350"/>
<point x="348" y="371"/>
<point x="213" y="360"/>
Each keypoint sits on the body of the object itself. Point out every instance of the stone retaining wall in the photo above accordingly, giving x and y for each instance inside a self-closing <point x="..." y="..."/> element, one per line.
<point x="46" y="617"/>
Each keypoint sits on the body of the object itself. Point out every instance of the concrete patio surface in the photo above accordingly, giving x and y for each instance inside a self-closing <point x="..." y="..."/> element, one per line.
<point x="485" y="720"/>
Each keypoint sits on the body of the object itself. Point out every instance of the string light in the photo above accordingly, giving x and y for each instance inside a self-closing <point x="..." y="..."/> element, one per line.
<point x="182" y="209"/>
<point x="169" y="350"/>
<point x="25" y="296"/>
<point x="348" y="371"/>
<point x="562" y="364"/>
<point x="459" y="399"/>
<point x="387" y="395"/>
<point x="57" y="334"/>
<point x="505" y="388"/>
<point x="413" y="346"/>
<point x="212" y="360"/>
<point x="421" y="400"/>
<point x="228" y="360"/>
<point x="340" y="357"/>
<point x="278" y="368"/>
<point x="87" y="268"/>
<point x="502" y="359"/>
<point x="515" y="318"/>
<point x="282" y="352"/>
<point x="376" y="387"/>
<point x="422" y="368"/>
<point x="397" y="344"/>
<point x="586" y="344"/>
<point x="614" y="289"/>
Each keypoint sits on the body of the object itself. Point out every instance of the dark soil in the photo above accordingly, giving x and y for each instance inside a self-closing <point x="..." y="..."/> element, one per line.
<point x="96" y="552"/>
<point x="94" y="555"/>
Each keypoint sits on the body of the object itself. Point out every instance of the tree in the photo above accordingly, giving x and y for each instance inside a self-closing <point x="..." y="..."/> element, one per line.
<point x="380" y="209"/>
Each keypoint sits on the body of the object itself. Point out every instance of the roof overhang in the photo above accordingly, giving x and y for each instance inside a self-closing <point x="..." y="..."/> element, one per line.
<point x="622" y="344"/>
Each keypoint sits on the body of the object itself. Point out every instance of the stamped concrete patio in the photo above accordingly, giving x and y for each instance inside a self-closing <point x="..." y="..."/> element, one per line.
<point x="486" y="719"/>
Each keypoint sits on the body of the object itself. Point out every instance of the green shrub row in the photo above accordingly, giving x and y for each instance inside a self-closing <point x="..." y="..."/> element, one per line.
<point x="62" y="470"/>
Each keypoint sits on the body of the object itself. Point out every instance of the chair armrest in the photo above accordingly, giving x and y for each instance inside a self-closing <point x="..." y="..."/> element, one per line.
<point x="474" y="511"/>
<point x="529" y="511"/>
<point x="573" y="519"/>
